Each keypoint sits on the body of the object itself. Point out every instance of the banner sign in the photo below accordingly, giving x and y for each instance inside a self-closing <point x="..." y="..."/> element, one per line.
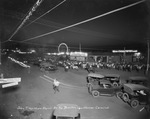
<point x="123" y="51"/>
<point x="9" y="85"/>
<point x="8" y="82"/>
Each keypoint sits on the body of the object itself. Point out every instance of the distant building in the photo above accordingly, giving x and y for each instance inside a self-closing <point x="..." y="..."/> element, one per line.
<point x="78" y="56"/>
<point x="110" y="57"/>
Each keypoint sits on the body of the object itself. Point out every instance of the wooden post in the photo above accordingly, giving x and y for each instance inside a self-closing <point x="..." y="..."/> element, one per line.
<point x="147" y="68"/>
<point x="0" y="52"/>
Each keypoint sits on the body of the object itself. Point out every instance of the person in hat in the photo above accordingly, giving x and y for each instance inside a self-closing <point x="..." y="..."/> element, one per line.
<point x="56" y="85"/>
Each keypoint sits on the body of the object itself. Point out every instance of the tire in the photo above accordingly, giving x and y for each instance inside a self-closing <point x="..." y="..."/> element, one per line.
<point x="125" y="97"/>
<point x="95" y="93"/>
<point x="87" y="80"/>
<point x="119" y="95"/>
<point x="90" y="88"/>
<point x="134" y="103"/>
<point x="115" y="84"/>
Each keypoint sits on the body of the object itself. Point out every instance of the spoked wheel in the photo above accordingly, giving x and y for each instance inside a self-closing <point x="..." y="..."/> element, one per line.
<point x="115" y="84"/>
<point x="125" y="97"/>
<point x="90" y="88"/>
<point x="95" y="93"/>
<point x="134" y="103"/>
<point x="119" y="95"/>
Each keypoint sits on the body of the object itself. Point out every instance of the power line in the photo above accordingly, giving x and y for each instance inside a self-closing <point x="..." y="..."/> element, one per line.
<point x="45" y="13"/>
<point x="27" y="17"/>
<point x="93" y="18"/>
<point x="29" y="13"/>
<point x="77" y="30"/>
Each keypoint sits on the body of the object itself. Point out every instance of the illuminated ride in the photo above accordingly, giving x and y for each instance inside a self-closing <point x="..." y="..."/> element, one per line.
<point x="60" y="45"/>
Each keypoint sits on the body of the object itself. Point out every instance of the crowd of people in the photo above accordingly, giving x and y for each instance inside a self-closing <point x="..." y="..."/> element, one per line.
<point x="92" y="66"/>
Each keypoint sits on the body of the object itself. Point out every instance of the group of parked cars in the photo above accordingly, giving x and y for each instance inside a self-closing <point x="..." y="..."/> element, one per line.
<point x="133" y="91"/>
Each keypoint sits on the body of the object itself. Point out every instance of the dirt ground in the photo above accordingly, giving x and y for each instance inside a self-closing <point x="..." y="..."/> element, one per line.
<point x="34" y="98"/>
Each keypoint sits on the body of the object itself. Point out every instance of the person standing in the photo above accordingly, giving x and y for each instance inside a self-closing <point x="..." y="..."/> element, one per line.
<point x="56" y="85"/>
<point x="2" y="76"/>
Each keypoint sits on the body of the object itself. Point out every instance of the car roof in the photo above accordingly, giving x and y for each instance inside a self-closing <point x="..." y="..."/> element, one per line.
<point x="95" y="75"/>
<point x="138" y="78"/>
<point x="69" y="110"/>
<point x="112" y="75"/>
<point x="136" y="87"/>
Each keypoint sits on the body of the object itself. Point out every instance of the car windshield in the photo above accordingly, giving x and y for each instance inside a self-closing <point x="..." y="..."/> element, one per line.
<point x="142" y="92"/>
<point x="106" y="85"/>
<point x="64" y="117"/>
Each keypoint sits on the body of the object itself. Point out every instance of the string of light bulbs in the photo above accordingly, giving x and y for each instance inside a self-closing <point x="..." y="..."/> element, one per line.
<point x="79" y="23"/>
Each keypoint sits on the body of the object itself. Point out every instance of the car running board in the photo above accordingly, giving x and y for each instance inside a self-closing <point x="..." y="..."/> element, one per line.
<point x="107" y="95"/>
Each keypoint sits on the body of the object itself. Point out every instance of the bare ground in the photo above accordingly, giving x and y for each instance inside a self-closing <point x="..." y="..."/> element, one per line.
<point x="34" y="98"/>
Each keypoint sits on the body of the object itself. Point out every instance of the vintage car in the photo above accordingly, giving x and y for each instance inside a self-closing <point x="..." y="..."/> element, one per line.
<point x="94" y="79"/>
<point x="135" y="94"/>
<point x="114" y="79"/>
<point x="105" y="88"/>
<point x="46" y="66"/>
<point x="138" y="80"/>
<point x="66" y="111"/>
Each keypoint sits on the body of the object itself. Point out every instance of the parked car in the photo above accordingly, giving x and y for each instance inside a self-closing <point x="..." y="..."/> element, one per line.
<point x="36" y="63"/>
<point x="46" y="66"/>
<point x="51" y="68"/>
<point x="114" y="79"/>
<point x="138" y="80"/>
<point x="104" y="88"/>
<point x="135" y="94"/>
<point x="66" y="111"/>
<point x="94" y="79"/>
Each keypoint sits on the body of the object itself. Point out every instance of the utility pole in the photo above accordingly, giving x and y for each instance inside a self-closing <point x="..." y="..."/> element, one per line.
<point x="147" y="68"/>
<point x="0" y="52"/>
<point x="80" y="47"/>
<point x="124" y="54"/>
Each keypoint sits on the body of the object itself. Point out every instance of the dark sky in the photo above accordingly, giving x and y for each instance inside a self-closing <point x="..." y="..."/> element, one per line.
<point x="126" y="28"/>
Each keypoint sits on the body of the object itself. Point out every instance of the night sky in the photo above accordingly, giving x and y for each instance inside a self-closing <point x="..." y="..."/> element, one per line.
<point x="126" y="28"/>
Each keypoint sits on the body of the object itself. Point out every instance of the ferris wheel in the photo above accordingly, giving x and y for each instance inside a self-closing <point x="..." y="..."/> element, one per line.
<point x="62" y="45"/>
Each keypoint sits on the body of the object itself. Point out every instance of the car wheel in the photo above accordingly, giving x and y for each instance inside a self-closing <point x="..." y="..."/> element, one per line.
<point x="134" y="103"/>
<point x="119" y="95"/>
<point x="87" y="80"/>
<point x="125" y="97"/>
<point x="90" y="88"/>
<point x="95" y="93"/>
<point x="115" y="84"/>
